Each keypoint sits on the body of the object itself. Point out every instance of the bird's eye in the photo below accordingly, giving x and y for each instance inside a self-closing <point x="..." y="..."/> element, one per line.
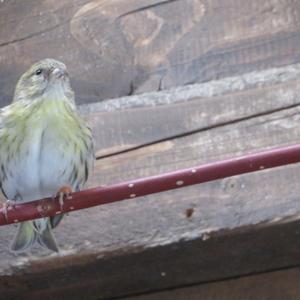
<point x="38" y="72"/>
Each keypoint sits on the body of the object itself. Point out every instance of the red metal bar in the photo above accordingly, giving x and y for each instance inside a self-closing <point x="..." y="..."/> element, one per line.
<point x="146" y="186"/>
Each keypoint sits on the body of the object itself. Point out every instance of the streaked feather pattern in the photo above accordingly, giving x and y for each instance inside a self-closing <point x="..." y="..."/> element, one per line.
<point x="44" y="145"/>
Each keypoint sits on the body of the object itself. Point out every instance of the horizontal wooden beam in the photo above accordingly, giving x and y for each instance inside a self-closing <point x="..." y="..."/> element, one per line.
<point x="128" y="123"/>
<point x="215" y="256"/>
<point x="284" y="285"/>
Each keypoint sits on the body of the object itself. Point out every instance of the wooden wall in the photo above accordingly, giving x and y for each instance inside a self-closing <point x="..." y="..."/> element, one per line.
<point x="215" y="231"/>
<point x="119" y="47"/>
<point x="243" y="225"/>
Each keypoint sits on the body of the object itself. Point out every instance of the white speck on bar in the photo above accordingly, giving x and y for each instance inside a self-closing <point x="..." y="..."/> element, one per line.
<point x="194" y="171"/>
<point x="71" y="207"/>
<point x="132" y="195"/>
<point x="261" y="167"/>
<point x="16" y="221"/>
<point x="179" y="182"/>
<point x="130" y="185"/>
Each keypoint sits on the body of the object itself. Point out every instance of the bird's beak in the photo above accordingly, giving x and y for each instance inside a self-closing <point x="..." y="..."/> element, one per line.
<point x="58" y="73"/>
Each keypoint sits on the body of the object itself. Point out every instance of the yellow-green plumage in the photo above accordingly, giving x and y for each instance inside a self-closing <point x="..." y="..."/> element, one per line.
<point x="44" y="145"/>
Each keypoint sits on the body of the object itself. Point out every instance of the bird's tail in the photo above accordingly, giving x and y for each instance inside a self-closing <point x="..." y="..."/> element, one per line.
<point x="30" y="232"/>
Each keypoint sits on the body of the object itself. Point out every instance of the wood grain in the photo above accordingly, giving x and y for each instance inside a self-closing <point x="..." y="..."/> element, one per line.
<point x="118" y="274"/>
<point x="237" y="226"/>
<point x="275" y="285"/>
<point x="115" y="48"/>
<point x="229" y="140"/>
<point x="127" y="129"/>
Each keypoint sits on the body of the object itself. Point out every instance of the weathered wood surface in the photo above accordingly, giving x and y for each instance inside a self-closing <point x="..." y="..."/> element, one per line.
<point x="119" y="47"/>
<point x="137" y="121"/>
<point x="277" y="285"/>
<point x="116" y="274"/>
<point x="241" y="225"/>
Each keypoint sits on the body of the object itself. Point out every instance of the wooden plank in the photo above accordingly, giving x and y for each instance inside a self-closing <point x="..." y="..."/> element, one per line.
<point x="116" y="274"/>
<point x="284" y="285"/>
<point x="116" y="48"/>
<point x="233" y="139"/>
<point x="133" y="122"/>
<point x="197" y="234"/>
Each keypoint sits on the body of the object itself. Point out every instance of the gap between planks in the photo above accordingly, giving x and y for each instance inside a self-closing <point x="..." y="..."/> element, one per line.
<point x="195" y="131"/>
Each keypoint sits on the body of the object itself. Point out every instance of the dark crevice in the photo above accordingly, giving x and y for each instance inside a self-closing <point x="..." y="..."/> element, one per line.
<point x="199" y="130"/>
<point x="160" y="84"/>
<point x="275" y="119"/>
<point x="131" y="89"/>
<point x="30" y="35"/>
<point x="34" y="34"/>
<point x="197" y="284"/>
<point x="150" y="6"/>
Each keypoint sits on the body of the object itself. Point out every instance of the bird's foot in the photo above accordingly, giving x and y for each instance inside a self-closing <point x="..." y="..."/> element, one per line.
<point x="63" y="194"/>
<point x="8" y="205"/>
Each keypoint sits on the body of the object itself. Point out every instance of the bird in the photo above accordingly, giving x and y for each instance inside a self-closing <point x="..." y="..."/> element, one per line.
<point x="46" y="148"/>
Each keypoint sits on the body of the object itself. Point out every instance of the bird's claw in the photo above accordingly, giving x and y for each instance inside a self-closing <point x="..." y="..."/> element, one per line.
<point x="7" y="205"/>
<point x="63" y="194"/>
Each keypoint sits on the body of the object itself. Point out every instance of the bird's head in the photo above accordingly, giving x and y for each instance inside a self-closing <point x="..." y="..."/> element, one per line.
<point x="48" y="78"/>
